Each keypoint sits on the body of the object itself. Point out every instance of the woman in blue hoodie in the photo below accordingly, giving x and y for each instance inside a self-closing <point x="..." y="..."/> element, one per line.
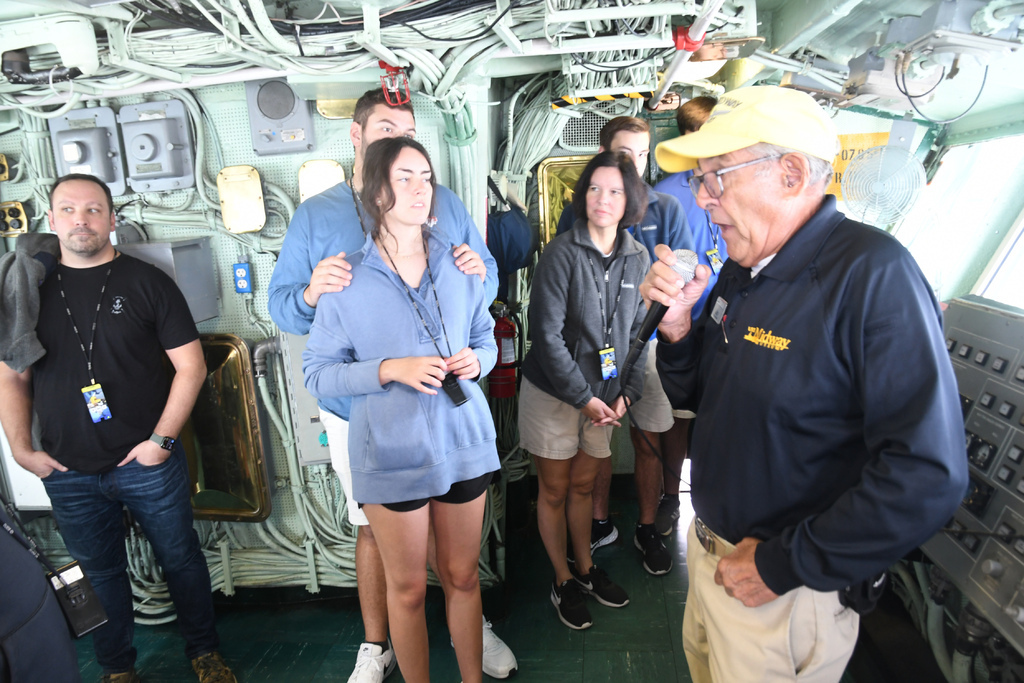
<point x="407" y="340"/>
<point x="585" y="307"/>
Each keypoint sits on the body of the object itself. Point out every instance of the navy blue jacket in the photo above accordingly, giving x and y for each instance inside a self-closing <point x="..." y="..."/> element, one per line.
<point x="829" y="425"/>
<point x="664" y="223"/>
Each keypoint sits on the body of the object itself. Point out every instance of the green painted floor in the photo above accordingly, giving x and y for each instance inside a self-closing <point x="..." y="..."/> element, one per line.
<point x="317" y="640"/>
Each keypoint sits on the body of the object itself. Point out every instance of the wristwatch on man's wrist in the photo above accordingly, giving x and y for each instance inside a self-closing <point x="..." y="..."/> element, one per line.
<point x="164" y="442"/>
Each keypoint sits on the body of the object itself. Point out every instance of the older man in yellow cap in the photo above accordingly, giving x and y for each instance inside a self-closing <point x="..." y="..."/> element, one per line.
<point x="828" y="440"/>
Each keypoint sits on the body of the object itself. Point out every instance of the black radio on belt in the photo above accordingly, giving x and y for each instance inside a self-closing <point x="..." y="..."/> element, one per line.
<point x="78" y="600"/>
<point x="451" y="386"/>
<point x="862" y="597"/>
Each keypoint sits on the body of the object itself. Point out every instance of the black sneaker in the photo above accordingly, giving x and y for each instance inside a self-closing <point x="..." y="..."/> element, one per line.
<point x="668" y="513"/>
<point x="657" y="559"/>
<point x="602" y="533"/>
<point x="601" y="587"/>
<point x="572" y="608"/>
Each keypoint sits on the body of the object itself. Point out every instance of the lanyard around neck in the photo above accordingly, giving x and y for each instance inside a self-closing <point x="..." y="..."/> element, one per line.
<point x="357" y="201"/>
<point x="95" y="320"/>
<point x="714" y="232"/>
<point x="607" y="320"/>
<point x="437" y="300"/>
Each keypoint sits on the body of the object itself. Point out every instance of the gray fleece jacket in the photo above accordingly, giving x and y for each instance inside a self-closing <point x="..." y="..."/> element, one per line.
<point x="21" y="273"/>
<point x="565" y="317"/>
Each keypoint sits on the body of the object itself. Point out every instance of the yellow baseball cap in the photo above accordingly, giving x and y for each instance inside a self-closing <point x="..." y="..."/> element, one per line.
<point x="747" y="116"/>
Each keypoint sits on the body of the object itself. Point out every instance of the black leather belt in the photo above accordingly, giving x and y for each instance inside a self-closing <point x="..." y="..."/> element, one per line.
<point x="705" y="536"/>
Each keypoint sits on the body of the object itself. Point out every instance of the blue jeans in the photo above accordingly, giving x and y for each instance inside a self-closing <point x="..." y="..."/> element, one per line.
<point x="88" y="510"/>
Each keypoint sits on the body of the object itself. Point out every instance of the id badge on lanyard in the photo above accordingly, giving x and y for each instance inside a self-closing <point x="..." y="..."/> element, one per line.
<point x="715" y="260"/>
<point x="608" y="369"/>
<point x="96" y="402"/>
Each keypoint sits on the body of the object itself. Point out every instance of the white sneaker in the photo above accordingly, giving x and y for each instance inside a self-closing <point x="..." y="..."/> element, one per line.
<point x="499" y="662"/>
<point x="373" y="664"/>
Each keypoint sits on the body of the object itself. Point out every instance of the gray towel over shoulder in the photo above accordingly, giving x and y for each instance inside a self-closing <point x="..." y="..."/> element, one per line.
<point x="22" y="271"/>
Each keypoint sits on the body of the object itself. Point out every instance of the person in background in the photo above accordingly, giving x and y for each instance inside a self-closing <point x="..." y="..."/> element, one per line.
<point x="829" y="438"/>
<point x="408" y="343"/>
<point x="663" y="222"/>
<point x="110" y="418"/>
<point x="37" y="645"/>
<point x="312" y="262"/>
<point x="585" y="306"/>
<point x="713" y="253"/>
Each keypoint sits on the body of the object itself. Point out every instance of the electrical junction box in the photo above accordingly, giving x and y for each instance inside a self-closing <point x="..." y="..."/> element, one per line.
<point x="12" y="219"/>
<point x="190" y="265"/>
<point x="280" y="122"/>
<point x="310" y="436"/>
<point x="157" y="146"/>
<point x="86" y="141"/>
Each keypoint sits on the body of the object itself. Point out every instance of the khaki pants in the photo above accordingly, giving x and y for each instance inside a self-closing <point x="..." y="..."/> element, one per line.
<point x="804" y="635"/>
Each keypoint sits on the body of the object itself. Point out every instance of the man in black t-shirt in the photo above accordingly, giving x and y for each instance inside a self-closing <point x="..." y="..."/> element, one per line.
<point x="110" y="418"/>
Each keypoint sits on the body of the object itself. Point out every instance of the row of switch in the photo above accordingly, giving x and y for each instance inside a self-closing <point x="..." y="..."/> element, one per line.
<point x="969" y="541"/>
<point x="1006" y="409"/>
<point x="981" y="358"/>
<point x="1005" y="533"/>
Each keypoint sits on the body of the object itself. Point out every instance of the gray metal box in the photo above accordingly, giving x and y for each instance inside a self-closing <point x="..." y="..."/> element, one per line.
<point x="190" y="265"/>
<point x="280" y="122"/>
<point x="87" y="141"/>
<point x="158" y="146"/>
<point x="310" y="436"/>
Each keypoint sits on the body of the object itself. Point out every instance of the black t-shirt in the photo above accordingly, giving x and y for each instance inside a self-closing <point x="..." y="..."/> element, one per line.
<point x="142" y="313"/>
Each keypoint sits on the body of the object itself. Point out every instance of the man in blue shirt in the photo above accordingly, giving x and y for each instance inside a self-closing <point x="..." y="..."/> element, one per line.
<point x="663" y="223"/>
<point x="312" y="262"/>
<point x="712" y="252"/>
<point x="829" y="439"/>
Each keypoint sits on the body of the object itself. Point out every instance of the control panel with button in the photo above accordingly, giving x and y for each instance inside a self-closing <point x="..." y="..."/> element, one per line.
<point x="982" y="551"/>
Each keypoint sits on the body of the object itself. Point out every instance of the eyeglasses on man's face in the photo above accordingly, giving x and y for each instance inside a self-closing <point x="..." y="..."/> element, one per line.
<point x="712" y="180"/>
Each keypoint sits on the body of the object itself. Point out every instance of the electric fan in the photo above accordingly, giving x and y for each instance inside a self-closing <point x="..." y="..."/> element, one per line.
<point x="881" y="184"/>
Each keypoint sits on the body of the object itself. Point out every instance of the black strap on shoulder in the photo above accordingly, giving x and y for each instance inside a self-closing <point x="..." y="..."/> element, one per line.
<point x="497" y="193"/>
<point x="25" y="539"/>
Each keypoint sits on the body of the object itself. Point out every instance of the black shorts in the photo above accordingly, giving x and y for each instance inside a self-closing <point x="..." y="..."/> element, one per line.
<point x="459" y="493"/>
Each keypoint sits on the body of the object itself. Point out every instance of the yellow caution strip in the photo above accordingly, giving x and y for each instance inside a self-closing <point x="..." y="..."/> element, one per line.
<point x="566" y="100"/>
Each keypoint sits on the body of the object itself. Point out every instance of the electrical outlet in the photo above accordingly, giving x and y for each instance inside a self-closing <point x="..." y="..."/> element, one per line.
<point x="243" y="284"/>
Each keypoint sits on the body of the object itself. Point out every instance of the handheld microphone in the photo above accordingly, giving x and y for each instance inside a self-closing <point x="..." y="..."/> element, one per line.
<point x="685" y="266"/>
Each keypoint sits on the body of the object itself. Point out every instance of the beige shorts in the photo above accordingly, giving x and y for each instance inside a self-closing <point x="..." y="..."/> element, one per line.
<point x="550" y="428"/>
<point x="653" y="412"/>
<point x="337" y="442"/>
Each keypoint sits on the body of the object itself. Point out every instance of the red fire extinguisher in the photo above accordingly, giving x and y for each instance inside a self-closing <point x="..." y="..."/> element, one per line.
<point x="501" y="383"/>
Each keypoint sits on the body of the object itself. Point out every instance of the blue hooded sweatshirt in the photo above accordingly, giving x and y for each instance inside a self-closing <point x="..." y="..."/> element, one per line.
<point x="404" y="444"/>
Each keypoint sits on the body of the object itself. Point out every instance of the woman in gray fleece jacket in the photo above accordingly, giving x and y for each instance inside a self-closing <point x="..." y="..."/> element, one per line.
<point x="585" y="307"/>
